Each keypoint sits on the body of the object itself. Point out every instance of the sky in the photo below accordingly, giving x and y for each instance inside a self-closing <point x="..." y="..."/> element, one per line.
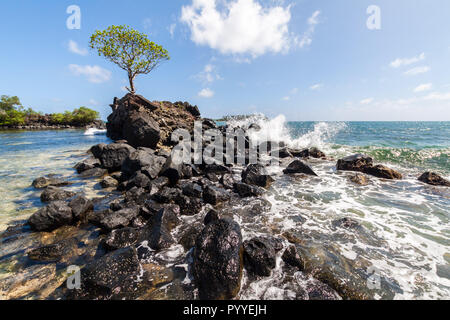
<point x="311" y="60"/>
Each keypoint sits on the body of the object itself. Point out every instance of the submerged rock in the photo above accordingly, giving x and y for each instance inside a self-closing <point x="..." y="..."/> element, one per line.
<point x="259" y="257"/>
<point x="217" y="260"/>
<point x="51" y="217"/>
<point x="109" y="182"/>
<point x="55" y="194"/>
<point x="359" y="179"/>
<point x="434" y="179"/>
<point x="94" y="173"/>
<point x="43" y="182"/>
<point x="298" y="166"/>
<point x="55" y="252"/>
<point x="292" y="257"/>
<point x="381" y="171"/>
<point x="245" y="190"/>
<point x="87" y="164"/>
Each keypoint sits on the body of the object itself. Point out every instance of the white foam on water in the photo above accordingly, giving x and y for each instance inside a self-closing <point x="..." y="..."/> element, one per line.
<point x="94" y="131"/>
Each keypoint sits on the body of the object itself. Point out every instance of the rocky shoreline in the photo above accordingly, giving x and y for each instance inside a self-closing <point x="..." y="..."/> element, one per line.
<point x="98" y="124"/>
<point x="121" y="241"/>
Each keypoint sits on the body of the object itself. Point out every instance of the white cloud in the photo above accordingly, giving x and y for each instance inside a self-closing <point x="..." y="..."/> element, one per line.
<point x="417" y="70"/>
<point x="287" y="98"/>
<point x="423" y="87"/>
<point x="407" y="61"/>
<point x="74" y="48"/>
<point x="171" y="29"/>
<point x="238" y="27"/>
<point x="208" y="75"/>
<point x="316" y="86"/>
<point x="206" y="93"/>
<point x="438" y="96"/>
<point x="306" y="38"/>
<point x="94" y="74"/>
<point x="366" y="101"/>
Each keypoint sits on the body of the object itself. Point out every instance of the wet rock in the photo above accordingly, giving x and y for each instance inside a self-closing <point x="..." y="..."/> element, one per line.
<point x="434" y="179"/>
<point x="381" y="171"/>
<point x="256" y="174"/>
<point x="142" y="160"/>
<point x="51" y="217"/>
<point x="211" y="216"/>
<point x="80" y="205"/>
<point x="292" y="257"/>
<point x="347" y="223"/>
<point x="121" y="238"/>
<point x="119" y="219"/>
<point x="189" y="236"/>
<point x="215" y="168"/>
<point x="298" y="166"/>
<point x="113" y="155"/>
<point x="192" y="189"/>
<point x="316" y="153"/>
<point x="43" y="182"/>
<point x="245" y="190"/>
<point x="109" y="182"/>
<point x="164" y="221"/>
<point x="227" y="180"/>
<point x="172" y="170"/>
<point x="359" y="179"/>
<point x="97" y="150"/>
<point x="282" y="153"/>
<point x="259" y="257"/>
<point x="189" y="206"/>
<point x="217" y="260"/>
<point x="215" y="195"/>
<point x="167" y="195"/>
<point x="212" y="177"/>
<point x="139" y="180"/>
<point x="54" y="252"/>
<point x="159" y="183"/>
<point x="136" y="196"/>
<point x="54" y="194"/>
<point x="87" y="164"/>
<point x="93" y="173"/>
<point x="112" y="274"/>
<point x="95" y="217"/>
<point x="355" y="162"/>
<point x="168" y="216"/>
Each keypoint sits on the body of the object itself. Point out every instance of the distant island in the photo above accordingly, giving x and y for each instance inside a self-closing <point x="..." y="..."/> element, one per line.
<point x="13" y="115"/>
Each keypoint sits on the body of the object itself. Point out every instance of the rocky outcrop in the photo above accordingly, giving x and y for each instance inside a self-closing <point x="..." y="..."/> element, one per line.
<point x="362" y="163"/>
<point x="112" y="155"/>
<point x="51" y="217"/>
<point x="54" y="194"/>
<point x="434" y="179"/>
<point x="218" y="260"/>
<point x="298" y="166"/>
<point x="257" y="175"/>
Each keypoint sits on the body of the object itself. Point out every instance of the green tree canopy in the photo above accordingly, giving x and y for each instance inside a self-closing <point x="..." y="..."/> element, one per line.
<point x="8" y="103"/>
<point x="129" y="49"/>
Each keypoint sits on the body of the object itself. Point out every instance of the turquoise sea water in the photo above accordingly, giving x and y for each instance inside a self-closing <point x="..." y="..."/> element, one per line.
<point x="407" y="222"/>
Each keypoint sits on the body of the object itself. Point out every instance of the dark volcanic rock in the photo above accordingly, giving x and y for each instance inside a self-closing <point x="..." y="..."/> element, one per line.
<point x="80" y="205"/>
<point x="141" y="160"/>
<point x="113" y="155"/>
<point x="316" y="153"/>
<point x="355" y="162"/>
<point x="167" y="195"/>
<point x="87" y="164"/>
<point x="113" y="273"/>
<point x="161" y="225"/>
<point x="54" y="194"/>
<point x="282" y="153"/>
<point x="189" y="236"/>
<point x="359" y="179"/>
<point x="94" y="173"/>
<point x="245" y="190"/>
<point x="172" y="169"/>
<point x="168" y="216"/>
<point x="109" y="182"/>
<point x="259" y="257"/>
<point x="44" y="182"/>
<point x="256" y="174"/>
<point x="121" y="238"/>
<point x="298" y="166"/>
<point x="434" y="179"/>
<point x="192" y="189"/>
<point x="54" y="252"/>
<point x="139" y="180"/>
<point x="381" y="171"/>
<point x="217" y="260"/>
<point x="119" y="219"/>
<point x="51" y="217"/>
<point x="227" y="180"/>
<point x="141" y="130"/>
<point x="347" y="223"/>
<point x="189" y="206"/>
<point x="211" y="216"/>
<point x="292" y="257"/>
<point x="215" y="195"/>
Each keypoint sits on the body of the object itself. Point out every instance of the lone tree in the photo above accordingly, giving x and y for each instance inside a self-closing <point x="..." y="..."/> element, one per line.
<point x="129" y="49"/>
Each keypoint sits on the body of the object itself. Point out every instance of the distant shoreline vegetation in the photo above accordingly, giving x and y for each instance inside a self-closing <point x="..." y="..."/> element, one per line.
<point x="235" y="117"/>
<point x="13" y="114"/>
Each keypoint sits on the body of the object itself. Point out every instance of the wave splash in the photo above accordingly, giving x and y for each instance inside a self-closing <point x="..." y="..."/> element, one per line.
<point x="94" y="131"/>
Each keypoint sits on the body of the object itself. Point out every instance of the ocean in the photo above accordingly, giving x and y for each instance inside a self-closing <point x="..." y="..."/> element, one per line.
<point x="405" y="223"/>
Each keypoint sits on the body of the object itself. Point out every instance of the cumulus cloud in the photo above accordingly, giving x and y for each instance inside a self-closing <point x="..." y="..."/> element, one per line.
<point x="208" y="75"/>
<point x="206" y="93"/>
<point x="94" y="74"/>
<point x="171" y="29"/>
<point x="399" y="62"/>
<point x="423" y="87"/>
<point x="74" y="48"/>
<point x="239" y="27"/>
<point x="417" y="70"/>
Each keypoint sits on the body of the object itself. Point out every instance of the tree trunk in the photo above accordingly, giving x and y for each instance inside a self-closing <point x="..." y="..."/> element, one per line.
<point x="131" y="79"/>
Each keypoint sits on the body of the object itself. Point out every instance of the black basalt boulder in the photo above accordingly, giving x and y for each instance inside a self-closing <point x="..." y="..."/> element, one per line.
<point x="215" y="195"/>
<point x="256" y="174"/>
<point x="434" y="179"/>
<point x="113" y="155"/>
<point x="80" y="205"/>
<point x="51" y="217"/>
<point x="259" y="257"/>
<point x="55" y="194"/>
<point x="355" y="162"/>
<point x="245" y="190"/>
<point x="217" y="260"/>
<point x="298" y="166"/>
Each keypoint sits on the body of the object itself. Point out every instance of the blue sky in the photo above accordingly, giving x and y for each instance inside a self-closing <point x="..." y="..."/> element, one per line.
<point x="306" y="59"/>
